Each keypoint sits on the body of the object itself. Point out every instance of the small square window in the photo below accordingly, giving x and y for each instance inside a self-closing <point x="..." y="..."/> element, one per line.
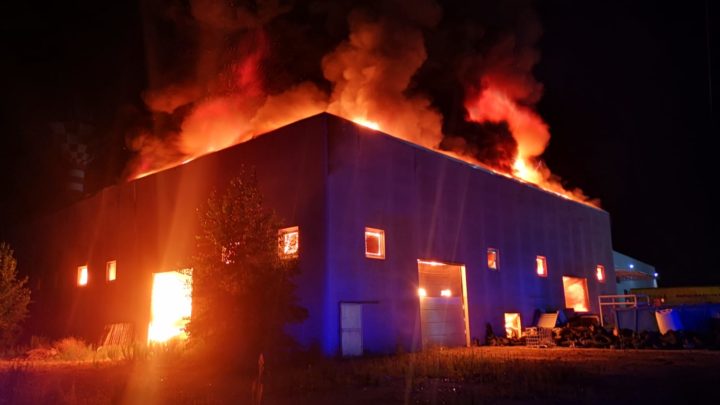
<point x="289" y="242"/>
<point x="111" y="270"/>
<point x="374" y="243"/>
<point x="541" y="266"/>
<point x="82" y="275"/>
<point x="600" y="273"/>
<point x="493" y="259"/>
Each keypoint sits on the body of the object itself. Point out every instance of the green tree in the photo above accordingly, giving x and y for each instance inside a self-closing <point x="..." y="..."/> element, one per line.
<point x="14" y="297"/>
<point x="243" y="292"/>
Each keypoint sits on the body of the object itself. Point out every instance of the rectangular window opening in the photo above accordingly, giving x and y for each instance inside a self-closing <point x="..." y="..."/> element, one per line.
<point x="289" y="242"/>
<point x="493" y="259"/>
<point x="111" y="270"/>
<point x="82" y="275"/>
<point x="513" y="326"/>
<point x="374" y="243"/>
<point x="576" y="294"/>
<point x="600" y="273"/>
<point x="541" y="266"/>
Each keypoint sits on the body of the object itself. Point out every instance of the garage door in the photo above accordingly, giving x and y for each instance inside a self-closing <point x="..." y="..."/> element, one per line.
<point x="442" y="304"/>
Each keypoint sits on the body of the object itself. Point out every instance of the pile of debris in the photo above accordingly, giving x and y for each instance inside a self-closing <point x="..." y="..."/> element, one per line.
<point x="595" y="336"/>
<point x="598" y="337"/>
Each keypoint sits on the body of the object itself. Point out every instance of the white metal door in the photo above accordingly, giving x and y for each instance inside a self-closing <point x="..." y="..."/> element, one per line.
<point x="351" y="329"/>
<point x="443" y="323"/>
<point x="443" y="312"/>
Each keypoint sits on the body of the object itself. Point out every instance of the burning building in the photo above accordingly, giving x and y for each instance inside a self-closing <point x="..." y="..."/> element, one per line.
<point x="398" y="245"/>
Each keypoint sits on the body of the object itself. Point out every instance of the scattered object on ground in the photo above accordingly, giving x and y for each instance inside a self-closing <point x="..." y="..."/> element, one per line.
<point x="588" y="334"/>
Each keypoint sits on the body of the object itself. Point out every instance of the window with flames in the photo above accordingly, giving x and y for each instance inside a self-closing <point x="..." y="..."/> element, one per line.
<point x="289" y="242"/>
<point x="541" y="266"/>
<point x="493" y="259"/>
<point x="111" y="271"/>
<point x="374" y="243"/>
<point x="600" y="273"/>
<point x="82" y="276"/>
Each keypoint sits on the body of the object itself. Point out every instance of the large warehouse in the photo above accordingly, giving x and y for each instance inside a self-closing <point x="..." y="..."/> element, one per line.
<point x="399" y="246"/>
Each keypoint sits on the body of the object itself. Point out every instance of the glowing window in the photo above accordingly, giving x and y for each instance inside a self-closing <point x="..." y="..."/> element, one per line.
<point x="576" y="295"/>
<point x="513" y="327"/>
<point x="541" y="266"/>
<point x="111" y="270"/>
<point x="374" y="243"/>
<point x="600" y="273"/>
<point x="289" y="242"/>
<point x="493" y="259"/>
<point x="82" y="275"/>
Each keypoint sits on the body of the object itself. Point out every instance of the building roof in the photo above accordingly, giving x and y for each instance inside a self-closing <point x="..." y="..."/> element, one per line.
<point x="622" y="275"/>
<point x="479" y="167"/>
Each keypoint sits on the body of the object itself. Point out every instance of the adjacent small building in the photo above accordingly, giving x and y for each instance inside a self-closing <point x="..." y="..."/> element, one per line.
<point x="400" y="247"/>
<point x="633" y="274"/>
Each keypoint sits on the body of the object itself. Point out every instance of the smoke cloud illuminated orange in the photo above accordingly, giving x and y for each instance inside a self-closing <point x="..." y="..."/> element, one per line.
<point x="372" y="81"/>
<point x="371" y="73"/>
<point x="494" y="104"/>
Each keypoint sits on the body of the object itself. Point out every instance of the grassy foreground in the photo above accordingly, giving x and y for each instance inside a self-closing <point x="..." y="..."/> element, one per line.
<point x="471" y="375"/>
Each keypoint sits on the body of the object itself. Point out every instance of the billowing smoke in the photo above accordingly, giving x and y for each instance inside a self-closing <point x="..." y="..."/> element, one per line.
<point x="221" y="98"/>
<point x="456" y="79"/>
<point x="372" y="71"/>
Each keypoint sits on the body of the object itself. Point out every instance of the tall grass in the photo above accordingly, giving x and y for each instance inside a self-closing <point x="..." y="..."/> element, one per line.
<point x="499" y="376"/>
<point x="74" y="349"/>
<point x="72" y="371"/>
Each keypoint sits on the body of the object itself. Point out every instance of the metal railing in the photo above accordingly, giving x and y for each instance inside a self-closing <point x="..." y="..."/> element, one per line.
<point x="624" y="301"/>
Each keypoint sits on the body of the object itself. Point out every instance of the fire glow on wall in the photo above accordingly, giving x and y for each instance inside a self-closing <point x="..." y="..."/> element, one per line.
<point x="171" y="306"/>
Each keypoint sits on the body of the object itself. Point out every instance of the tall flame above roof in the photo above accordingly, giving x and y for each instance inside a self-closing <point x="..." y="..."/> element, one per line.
<point x="373" y="76"/>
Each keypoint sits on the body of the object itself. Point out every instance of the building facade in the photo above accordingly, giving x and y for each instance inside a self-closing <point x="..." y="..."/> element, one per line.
<point x="631" y="273"/>
<point x="399" y="246"/>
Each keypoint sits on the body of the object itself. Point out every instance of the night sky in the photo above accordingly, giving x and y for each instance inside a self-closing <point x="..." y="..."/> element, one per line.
<point x="626" y="94"/>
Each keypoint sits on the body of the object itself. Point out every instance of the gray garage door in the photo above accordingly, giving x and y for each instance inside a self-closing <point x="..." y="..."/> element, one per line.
<point x="442" y="312"/>
<point x="443" y="321"/>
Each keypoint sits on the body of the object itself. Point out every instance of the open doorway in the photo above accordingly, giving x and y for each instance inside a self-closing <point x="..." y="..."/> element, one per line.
<point x="442" y="291"/>
<point x="171" y="306"/>
<point x="576" y="293"/>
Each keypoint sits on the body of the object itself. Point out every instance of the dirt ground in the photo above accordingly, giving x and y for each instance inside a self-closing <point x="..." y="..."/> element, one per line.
<point x="498" y="375"/>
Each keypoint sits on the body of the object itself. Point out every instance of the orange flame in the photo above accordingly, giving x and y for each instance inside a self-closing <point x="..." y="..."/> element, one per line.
<point x="527" y="128"/>
<point x="530" y="132"/>
<point x="371" y="75"/>
<point x="366" y="123"/>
